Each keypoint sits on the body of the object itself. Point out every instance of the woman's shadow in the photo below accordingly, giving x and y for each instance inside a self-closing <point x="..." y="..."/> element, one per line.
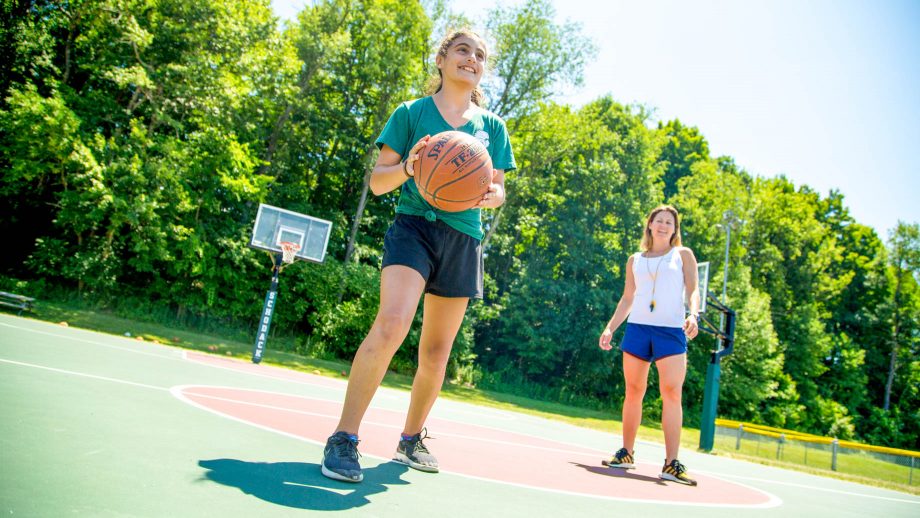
<point x="300" y="484"/>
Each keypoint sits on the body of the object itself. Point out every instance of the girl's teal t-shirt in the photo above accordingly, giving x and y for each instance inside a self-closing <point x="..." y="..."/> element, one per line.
<point x="411" y="121"/>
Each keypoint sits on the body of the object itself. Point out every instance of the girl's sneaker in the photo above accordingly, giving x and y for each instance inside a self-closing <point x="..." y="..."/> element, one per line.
<point x="621" y="459"/>
<point x="412" y="451"/>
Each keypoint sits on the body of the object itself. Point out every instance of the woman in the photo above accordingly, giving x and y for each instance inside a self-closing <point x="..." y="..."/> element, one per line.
<point x="656" y="331"/>
<point x="426" y="251"/>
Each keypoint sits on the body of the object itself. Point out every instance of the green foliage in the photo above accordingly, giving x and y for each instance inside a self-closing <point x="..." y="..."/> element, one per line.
<point x="533" y="57"/>
<point x="682" y="148"/>
<point x="558" y="263"/>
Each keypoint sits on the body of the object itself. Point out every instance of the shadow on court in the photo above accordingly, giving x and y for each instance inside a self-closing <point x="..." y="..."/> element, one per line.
<point x="300" y="484"/>
<point x="618" y="473"/>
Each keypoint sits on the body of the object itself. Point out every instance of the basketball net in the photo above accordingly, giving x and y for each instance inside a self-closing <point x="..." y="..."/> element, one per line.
<point x="288" y="251"/>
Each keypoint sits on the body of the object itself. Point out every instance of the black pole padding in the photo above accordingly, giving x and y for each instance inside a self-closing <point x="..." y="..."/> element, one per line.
<point x="268" y="309"/>
<point x="729" y="340"/>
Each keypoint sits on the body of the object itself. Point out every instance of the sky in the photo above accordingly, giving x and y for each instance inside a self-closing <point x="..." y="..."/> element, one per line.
<point x="824" y="92"/>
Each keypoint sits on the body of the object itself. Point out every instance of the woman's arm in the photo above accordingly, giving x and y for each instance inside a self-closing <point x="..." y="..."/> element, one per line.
<point x="692" y="285"/>
<point x="391" y="170"/>
<point x="623" y="307"/>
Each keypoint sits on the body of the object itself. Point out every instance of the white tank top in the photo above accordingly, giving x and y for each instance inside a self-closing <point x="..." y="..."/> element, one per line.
<point x="666" y="274"/>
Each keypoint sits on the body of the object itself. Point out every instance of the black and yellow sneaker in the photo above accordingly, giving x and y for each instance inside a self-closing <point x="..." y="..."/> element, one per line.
<point x="621" y="459"/>
<point x="676" y="472"/>
<point x="412" y="452"/>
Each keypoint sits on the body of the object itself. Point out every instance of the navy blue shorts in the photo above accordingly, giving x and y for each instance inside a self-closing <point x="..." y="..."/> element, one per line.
<point x="449" y="260"/>
<point x="651" y="343"/>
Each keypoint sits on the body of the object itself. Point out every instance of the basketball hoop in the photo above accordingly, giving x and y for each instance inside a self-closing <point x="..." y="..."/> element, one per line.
<point x="288" y="251"/>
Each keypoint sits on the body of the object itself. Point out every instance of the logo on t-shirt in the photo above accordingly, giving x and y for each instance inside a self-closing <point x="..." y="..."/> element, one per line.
<point x="483" y="137"/>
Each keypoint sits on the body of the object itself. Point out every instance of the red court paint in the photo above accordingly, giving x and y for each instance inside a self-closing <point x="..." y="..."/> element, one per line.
<point x="470" y="450"/>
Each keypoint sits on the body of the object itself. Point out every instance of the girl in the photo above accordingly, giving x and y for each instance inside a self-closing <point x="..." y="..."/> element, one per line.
<point x="656" y="331"/>
<point x="426" y="251"/>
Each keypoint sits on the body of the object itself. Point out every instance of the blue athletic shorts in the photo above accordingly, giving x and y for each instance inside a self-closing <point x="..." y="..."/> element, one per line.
<point x="449" y="260"/>
<point x="651" y="343"/>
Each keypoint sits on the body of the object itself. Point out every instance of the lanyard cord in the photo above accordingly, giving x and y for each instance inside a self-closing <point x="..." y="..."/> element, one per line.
<point x="651" y="306"/>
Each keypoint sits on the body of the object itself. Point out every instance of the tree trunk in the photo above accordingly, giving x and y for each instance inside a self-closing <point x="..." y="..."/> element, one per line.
<point x="892" y="365"/>
<point x="362" y="202"/>
<point x="494" y="224"/>
<point x="304" y="84"/>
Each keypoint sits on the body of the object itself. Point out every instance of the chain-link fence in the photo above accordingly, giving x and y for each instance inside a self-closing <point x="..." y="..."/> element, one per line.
<point x="876" y="462"/>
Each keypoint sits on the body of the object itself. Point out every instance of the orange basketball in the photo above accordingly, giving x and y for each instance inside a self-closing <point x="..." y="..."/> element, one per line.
<point x="454" y="171"/>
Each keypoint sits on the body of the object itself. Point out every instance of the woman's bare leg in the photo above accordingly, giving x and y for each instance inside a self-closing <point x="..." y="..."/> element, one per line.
<point x="635" y="371"/>
<point x="671" y="373"/>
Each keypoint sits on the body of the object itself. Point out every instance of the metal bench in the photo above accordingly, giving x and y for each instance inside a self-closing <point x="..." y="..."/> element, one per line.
<point x="20" y="302"/>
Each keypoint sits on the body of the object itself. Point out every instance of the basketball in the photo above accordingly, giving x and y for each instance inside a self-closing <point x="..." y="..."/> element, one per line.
<point x="454" y="171"/>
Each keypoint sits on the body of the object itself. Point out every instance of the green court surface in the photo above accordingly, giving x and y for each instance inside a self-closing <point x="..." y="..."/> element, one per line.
<point x="101" y="425"/>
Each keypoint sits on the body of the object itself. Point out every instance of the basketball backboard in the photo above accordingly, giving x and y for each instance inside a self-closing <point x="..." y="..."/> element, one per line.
<point x="275" y="225"/>
<point x="702" y="270"/>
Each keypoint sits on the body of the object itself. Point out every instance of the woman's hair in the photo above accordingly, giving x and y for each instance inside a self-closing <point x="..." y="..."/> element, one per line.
<point x="647" y="233"/>
<point x="436" y="80"/>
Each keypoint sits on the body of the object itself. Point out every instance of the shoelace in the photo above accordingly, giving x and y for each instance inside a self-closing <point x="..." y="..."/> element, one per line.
<point x="678" y="467"/>
<point x="344" y="446"/>
<point x="419" y="445"/>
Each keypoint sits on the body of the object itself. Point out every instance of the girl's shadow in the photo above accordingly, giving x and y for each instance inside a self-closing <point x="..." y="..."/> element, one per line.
<point x="300" y="484"/>
<point x="618" y="473"/>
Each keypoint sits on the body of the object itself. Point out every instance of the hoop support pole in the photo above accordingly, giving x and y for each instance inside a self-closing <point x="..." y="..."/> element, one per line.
<point x="268" y="309"/>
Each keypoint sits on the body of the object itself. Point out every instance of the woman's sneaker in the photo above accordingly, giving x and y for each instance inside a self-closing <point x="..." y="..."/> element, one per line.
<point x="621" y="459"/>
<point x="412" y="452"/>
<point x="340" y="458"/>
<point x="676" y="472"/>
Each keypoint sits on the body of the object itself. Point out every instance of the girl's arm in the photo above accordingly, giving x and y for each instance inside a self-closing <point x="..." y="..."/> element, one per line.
<point x="623" y="307"/>
<point x="391" y="170"/>
<point x="692" y="285"/>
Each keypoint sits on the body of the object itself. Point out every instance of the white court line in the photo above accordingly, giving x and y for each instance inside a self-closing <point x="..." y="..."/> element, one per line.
<point x="100" y="344"/>
<point x="773" y="501"/>
<point x="174" y="355"/>
<point x="183" y="356"/>
<point x="384" y="425"/>
<point x="388" y="395"/>
<point x="486" y="427"/>
<point x="83" y="374"/>
<point x="817" y="488"/>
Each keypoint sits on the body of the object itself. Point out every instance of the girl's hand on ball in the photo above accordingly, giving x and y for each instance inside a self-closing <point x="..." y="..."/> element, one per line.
<point x="493" y="198"/>
<point x="413" y="153"/>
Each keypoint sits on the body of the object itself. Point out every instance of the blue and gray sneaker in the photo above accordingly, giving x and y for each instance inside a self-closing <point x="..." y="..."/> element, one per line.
<point x="340" y="458"/>
<point x="412" y="451"/>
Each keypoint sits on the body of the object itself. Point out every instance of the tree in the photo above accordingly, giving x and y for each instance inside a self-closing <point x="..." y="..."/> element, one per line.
<point x="533" y="57"/>
<point x="904" y="245"/>
<point x="754" y="386"/>
<point x="682" y="147"/>
<point x="558" y="267"/>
